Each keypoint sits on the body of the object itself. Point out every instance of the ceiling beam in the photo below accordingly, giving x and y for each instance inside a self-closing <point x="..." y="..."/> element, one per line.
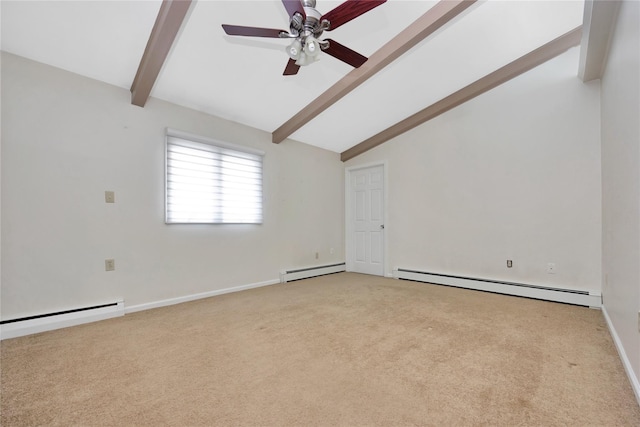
<point x="168" y="22"/>
<point x="486" y="83"/>
<point x="433" y="19"/>
<point x="599" y="22"/>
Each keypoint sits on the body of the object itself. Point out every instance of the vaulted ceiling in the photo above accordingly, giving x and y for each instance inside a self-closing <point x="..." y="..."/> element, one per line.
<point x="240" y="78"/>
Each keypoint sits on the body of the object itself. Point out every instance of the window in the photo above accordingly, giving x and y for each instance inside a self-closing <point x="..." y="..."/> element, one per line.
<point x="211" y="182"/>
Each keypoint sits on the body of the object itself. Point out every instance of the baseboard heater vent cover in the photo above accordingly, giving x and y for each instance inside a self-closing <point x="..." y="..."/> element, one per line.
<point x="46" y="322"/>
<point x="305" y="273"/>
<point x="568" y="296"/>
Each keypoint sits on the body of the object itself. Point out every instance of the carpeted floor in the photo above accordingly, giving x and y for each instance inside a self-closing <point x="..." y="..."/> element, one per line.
<point x="344" y="349"/>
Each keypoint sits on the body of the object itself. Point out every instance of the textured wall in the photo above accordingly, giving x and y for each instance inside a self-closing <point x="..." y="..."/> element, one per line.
<point x="621" y="181"/>
<point x="512" y="174"/>
<point x="66" y="139"/>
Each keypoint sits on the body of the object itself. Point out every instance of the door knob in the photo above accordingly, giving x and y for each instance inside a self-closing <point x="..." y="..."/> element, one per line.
<point x="382" y="227"/>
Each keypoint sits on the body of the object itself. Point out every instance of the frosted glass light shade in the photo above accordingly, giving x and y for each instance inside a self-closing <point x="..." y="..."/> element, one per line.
<point x="294" y="50"/>
<point x="311" y="47"/>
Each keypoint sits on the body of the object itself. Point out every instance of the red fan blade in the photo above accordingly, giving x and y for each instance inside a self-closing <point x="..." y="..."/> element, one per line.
<point x="345" y="54"/>
<point x="291" y="68"/>
<point x="237" y="30"/>
<point x="294" y="6"/>
<point x="349" y="10"/>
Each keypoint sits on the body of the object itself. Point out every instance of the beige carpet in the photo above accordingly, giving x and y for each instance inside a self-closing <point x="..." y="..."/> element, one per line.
<point x="344" y="349"/>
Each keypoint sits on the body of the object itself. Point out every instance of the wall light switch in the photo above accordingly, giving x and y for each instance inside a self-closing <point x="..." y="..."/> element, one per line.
<point x="109" y="196"/>
<point x="509" y="263"/>
<point x="109" y="264"/>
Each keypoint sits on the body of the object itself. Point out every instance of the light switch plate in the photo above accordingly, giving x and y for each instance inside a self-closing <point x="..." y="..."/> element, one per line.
<point x="110" y="196"/>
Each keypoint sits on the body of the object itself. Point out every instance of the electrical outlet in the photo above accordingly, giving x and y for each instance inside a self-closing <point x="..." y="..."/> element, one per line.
<point x="509" y="263"/>
<point x="110" y="196"/>
<point x="551" y="268"/>
<point x="109" y="264"/>
<point x="317" y="255"/>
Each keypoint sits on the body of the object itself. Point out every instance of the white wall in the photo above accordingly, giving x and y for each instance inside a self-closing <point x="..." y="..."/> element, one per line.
<point x="512" y="174"/>
<point x="621" y="182"/>
<point x="66" y="139"/>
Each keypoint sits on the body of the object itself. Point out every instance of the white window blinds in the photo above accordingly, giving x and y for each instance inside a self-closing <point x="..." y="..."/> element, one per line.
<point x="212" y="182"/>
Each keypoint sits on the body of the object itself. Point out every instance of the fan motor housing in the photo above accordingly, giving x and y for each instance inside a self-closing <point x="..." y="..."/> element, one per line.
<point x="311" y="24"/>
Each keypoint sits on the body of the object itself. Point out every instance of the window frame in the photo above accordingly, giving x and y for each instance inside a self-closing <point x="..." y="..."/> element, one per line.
<point x="190" y="137"/>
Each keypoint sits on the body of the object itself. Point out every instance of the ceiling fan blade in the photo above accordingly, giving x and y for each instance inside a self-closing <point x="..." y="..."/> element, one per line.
<point x="294" y="6"/>
<point x="291" y="68"/>
<point x="238" y="30"/>
<point x="349" y="10"/>
<point x="344" y="54"/>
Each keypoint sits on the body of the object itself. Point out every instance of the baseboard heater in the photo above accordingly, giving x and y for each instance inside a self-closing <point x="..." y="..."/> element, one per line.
<point x="305" y="273"/>
<point x="568" y="296"/>
<point x="13" y="328"/>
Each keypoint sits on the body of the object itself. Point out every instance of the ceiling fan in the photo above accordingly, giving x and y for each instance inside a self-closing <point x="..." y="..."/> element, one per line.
<point x="306" y="25"/>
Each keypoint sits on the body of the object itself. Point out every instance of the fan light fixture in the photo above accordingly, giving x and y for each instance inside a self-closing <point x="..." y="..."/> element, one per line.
<point x="304" y="55"/>
<point x="294" y="49"/>
<point x="311" y="47"/>
<point x="306" y="26"/>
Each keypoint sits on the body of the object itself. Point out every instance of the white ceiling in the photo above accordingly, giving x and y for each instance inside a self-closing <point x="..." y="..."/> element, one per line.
<point x="240" y="78"/>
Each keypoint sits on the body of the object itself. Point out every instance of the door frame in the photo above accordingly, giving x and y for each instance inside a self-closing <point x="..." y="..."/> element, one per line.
<point x="348" y="226"/>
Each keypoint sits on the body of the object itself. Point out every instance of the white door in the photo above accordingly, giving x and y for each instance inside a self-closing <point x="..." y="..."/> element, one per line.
<point x="366" y="216"/>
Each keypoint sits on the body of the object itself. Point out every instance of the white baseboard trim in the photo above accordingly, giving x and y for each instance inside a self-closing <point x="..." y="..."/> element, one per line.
<point x="569" y="296"/>
<point x="48" y="322"/>
<point x="193" y="297"/>
<point x="45" y="323"/>
<point x="308" y="272"/>
<point x="633" y="378"/>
